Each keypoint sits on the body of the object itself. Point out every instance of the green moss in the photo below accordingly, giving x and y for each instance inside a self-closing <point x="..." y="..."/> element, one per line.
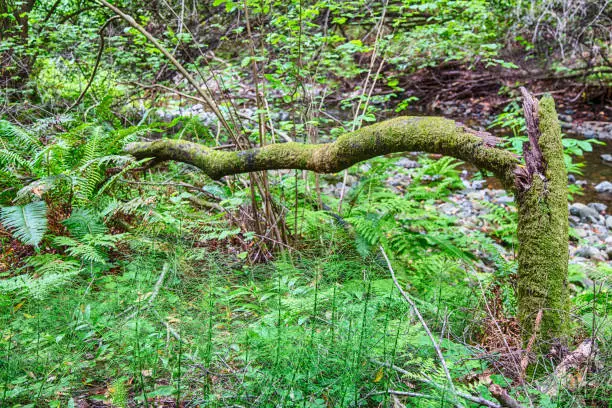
<point x="543" y="236"/>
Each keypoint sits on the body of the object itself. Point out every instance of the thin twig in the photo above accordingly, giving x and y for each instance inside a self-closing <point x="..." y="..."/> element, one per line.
<point x="468" y="397"/>
<point x="207" y="98"/>
<point x="96" y="64"/>
<point x="423" y="323"/>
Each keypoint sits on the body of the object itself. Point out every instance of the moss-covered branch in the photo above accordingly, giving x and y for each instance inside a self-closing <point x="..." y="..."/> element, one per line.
<point x="427" y="134"/>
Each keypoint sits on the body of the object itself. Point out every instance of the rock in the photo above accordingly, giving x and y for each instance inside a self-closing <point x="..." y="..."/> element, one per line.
<point x="590" y="252"/>
<point x="448" y="209"/>
<point x="581" y="232"/>
<point x="581" y="183"/>
<point x="609" y="222"/>
<point x="588" y="133"/>
<point x="585" y="213"/>
<point x="478" y="184"/>
<point x="565" y="118"/>
<point x="604" y="187"/>
<point x="503" y="200"/>
<point x="407" y="163"/>
<point x="571" y="178"/>
<point x="476" y="195"/>
<point x="609" y="251"/>
<point x="599" y="207"/>
<point x="596" y="129"/>
<point x="606" y="158"/>
<point x="574" y="220"/>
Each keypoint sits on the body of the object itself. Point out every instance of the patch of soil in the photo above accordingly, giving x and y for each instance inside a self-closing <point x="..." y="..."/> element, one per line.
<point x="13" y="252"/>
<point x="480" y="91"/>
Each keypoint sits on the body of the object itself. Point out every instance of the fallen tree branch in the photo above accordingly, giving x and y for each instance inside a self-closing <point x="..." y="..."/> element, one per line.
<point x="503" y="397"/>
<point x="429" y="134"/>
<point x="573" y="362"/>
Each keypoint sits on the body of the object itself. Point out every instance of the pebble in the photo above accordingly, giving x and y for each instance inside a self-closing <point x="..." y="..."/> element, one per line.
<point x="503" y="199"/>
<point x="478" y="184"/>
<point x="407" y="163"/>
<point x="590" y="252"/>
<point x="604" y="187"/>
<point x="606" y="158"/>
<point x="585" y="213"/>
<point x="599" y="207"/>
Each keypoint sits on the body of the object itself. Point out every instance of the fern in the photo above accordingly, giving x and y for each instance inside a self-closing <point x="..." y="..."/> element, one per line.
<point x="83" y="222"/>
<point x="9" y="158"/>
<point x="39" y="288"/>
<point x="90" y="248"/>
<point x="17" y="137"/>
<point x="28" y="223"/>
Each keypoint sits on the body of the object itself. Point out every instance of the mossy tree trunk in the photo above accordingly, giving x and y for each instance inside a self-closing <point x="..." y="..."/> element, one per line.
<point x="543" y="224"/>
<point x="540" y="186"/>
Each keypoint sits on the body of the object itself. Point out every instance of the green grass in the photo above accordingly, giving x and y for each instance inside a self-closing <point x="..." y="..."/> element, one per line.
<point x="294" y="333"/>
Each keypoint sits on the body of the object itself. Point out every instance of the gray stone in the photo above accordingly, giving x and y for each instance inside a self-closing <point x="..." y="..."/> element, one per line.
<point x="604" y="187"/>
<point x="585" y="213"/>
<point x="476" y="195"/>
<point x="590" y="252"/>
<point x="407" y="163"/>
<point x="607" y="158"/>
<point x="574" y="220"/>
<point x="504" y="200"/>
<point x="588" y="133"/>
<point x="581" y="232"/>
<point x="609" y="221"/>
<point x="599" y="207"/>
<point x="448" y="209"/>
<point x="478" y="184"/>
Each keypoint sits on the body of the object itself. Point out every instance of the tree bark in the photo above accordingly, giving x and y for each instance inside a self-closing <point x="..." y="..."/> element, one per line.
<point x="540" y="185"/>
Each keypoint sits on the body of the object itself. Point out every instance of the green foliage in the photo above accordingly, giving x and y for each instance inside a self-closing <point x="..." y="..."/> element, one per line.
<point x="142" y="289"/>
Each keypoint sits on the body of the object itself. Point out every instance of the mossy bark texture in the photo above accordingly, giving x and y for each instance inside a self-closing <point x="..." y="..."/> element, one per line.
<point x="543" y="230"/>
<point x="540" y="186"/>
<point x="428" y="134"/>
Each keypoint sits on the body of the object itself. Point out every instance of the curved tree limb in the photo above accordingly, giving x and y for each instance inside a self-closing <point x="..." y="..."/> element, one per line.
<point x="428" y="134"/>
<point x="96" y="64"/>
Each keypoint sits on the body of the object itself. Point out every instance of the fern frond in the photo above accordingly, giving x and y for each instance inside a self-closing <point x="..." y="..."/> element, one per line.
<point x="83" y="222"/>
<point x="39" y="187"/>
<point x="28" y="223"/>
<point x="116" y="160"/>
<point x="11" y="158"/>
<point x="17" y="137"/>
<point x="114" y="178"/>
